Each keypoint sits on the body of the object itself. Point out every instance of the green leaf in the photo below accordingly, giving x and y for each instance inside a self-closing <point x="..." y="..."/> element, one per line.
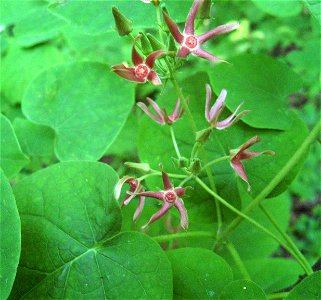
<point x="10" y="239"/>
<point x="198" y="273"/>
<point x="242" y="290"/>
<point x="263" y="83"/>
<point x="273" y="274"/>
<point x="251" y="242"/>
<point x="279" y="8"/>
<point x="36" y="141"/>
<point x="308" y="288"/>
<point x="12" y="159"/>
<point x="75" y="100"/>
<point x="90" y="22"/>
<point x="20" y="66"/>
<point x="314" y="7"/>
<point x="71" y="248"/>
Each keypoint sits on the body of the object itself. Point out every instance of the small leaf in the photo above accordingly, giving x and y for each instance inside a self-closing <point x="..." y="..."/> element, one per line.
<point x="198" y="273"/>
<point x="263" y="83"/>
<point x="10" y="239"/>
<point x="242" y="290"/>
<point x="308" y="288"/>
<point x="75" y="100"/>
<point x="12" y="159"/>
<point x="71" y="248"/>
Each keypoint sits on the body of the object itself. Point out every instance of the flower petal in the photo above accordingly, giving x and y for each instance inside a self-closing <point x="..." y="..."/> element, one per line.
<point x="155" y="195"/>
<point x="119" y="185"/>
<point x="150" y="60"/>
<point x="189" y="25"/>
<point x="246" y="154"/>
<point x="153" y="78"/>
<point x="175" y="113"/>
<point x="204" y="54"/>
<point x="180" y="191"/>
<point x="139" y="208"/>
<point x="156" y="107"/>
<point x="164" y="209"/>
<point x="136" y="58"/>
<point x="173" y="28"/>
<point x="183" y="213"/>
<point x="217" y="31"/>
<point x="239" y="169"/>
<point x="125" y="72"/>
<point x="218" y="106"/>
<point x="166" y="181"/>
<point x="147" y="111"/>
<point x="183" y="52"/>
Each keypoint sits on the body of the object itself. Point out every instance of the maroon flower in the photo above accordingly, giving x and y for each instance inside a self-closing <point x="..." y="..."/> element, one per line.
<point x="134" y="187"/>
<point x="162" y="116"/>
<point x="142" y="70"/>
<point x="171" y="197"/>
<point x="213" y="113"/>
<point x="190" y="43"/>
<point x="237" y="155"/>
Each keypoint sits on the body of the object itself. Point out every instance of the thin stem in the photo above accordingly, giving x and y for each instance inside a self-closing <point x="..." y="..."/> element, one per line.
<point x="215" y="161"/>
<point x="276" y="180"/>
<point x="183" y="100"/>
<point x="186" y="180"/>
<point x="174" y="142"/>
<point x="280" y="295"/>
<point x="238" y="261"/>
<point x="181" y="235"/>
<point x="157" y="173"/>
<point x="225" y="203"/>
<point x="286" y="237"/>
<point x="159" y="23"/>
<point x="137" y="44"/>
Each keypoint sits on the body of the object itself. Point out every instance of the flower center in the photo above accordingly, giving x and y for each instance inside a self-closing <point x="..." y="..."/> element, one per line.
<point x="133" y="184"/>
<point x="141" y="71"/>
<point x="191" y="41"/>
<point x="170" y="197"/>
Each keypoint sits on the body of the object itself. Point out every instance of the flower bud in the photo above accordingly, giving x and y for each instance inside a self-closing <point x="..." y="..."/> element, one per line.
<point x="171" y="44"/>
<point x="142" y="167"/>
<point x="146" y="46"/>
<point x="195" y="166"/>
<point x="123" y="25"/>
<point x="202" y="136"/>
<point x="155" y="43"/>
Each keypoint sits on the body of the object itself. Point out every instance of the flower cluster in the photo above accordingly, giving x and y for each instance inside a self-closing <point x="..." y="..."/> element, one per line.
<point x="171" y="197"/>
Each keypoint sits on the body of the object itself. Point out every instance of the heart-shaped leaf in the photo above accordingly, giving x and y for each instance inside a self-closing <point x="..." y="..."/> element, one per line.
<point x="71" y="248"/>
<point x="76" y="100"/>
<point x="12" y="159"/>
<point x="198" y="273"/>
<point x="10" y="239"/>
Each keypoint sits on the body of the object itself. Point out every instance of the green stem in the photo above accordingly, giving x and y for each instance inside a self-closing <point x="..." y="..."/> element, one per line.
<point x="225" y="203"/>
<point x="186" y="180"/>
<point x="183" y="101"/>
<point x="159" y="23"/>
<point x="238" y="261"/>
<point x="276" y="180"/>
<point x="174" y="142"/>
<point x="157" y="173"/>
<point x="169" y="237"/>
<point x="215" y="161"/>
<point x="280" y="295"/>
<point x="287" y="238"/>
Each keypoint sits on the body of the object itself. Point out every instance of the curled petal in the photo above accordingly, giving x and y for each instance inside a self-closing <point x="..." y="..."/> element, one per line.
<point x="164" y="209"/>
<point x="139" y="208"/>
<point x="217" y="31"/>
<point x="120" y="184"/>
<point x="239" y="169"/>
<point x="246" y="154"/>
<point x="150" y="60"/>
<point x="183" y="52"/>
<point x="183" y="213"/>
<point x="189" y="25"/>
<point x="218" y="106"/>
<point x="155" y="195"/>
<point x="155" y="106"/>
<point x="147" y="111"/>
<point x="175" y="113"/>
<point x="166" y="182"/>
<point x="249" y="143"/>
<point x="136" y="58"/>
<point x="153" y="78"/>
<point x="173" y="28"/>
<point x="204" y="54"/>
<point x="229" y="121"/>
<point x="125" y="72"/>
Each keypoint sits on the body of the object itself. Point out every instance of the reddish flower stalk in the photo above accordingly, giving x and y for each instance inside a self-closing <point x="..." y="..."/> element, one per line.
<point x="189" y="42"/>
<point x="213" y="113"/>
<point x="171" y="196"/>
<point x="237" y="155"/>
<point x="142" y="70"/>
<point x="162" y="116"/>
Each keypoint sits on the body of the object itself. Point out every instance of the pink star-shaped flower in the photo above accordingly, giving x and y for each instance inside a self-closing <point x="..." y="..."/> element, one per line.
<point x="142" y="70"/>
<point x="237" y="155"/>
<point x="189" y="42"/>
